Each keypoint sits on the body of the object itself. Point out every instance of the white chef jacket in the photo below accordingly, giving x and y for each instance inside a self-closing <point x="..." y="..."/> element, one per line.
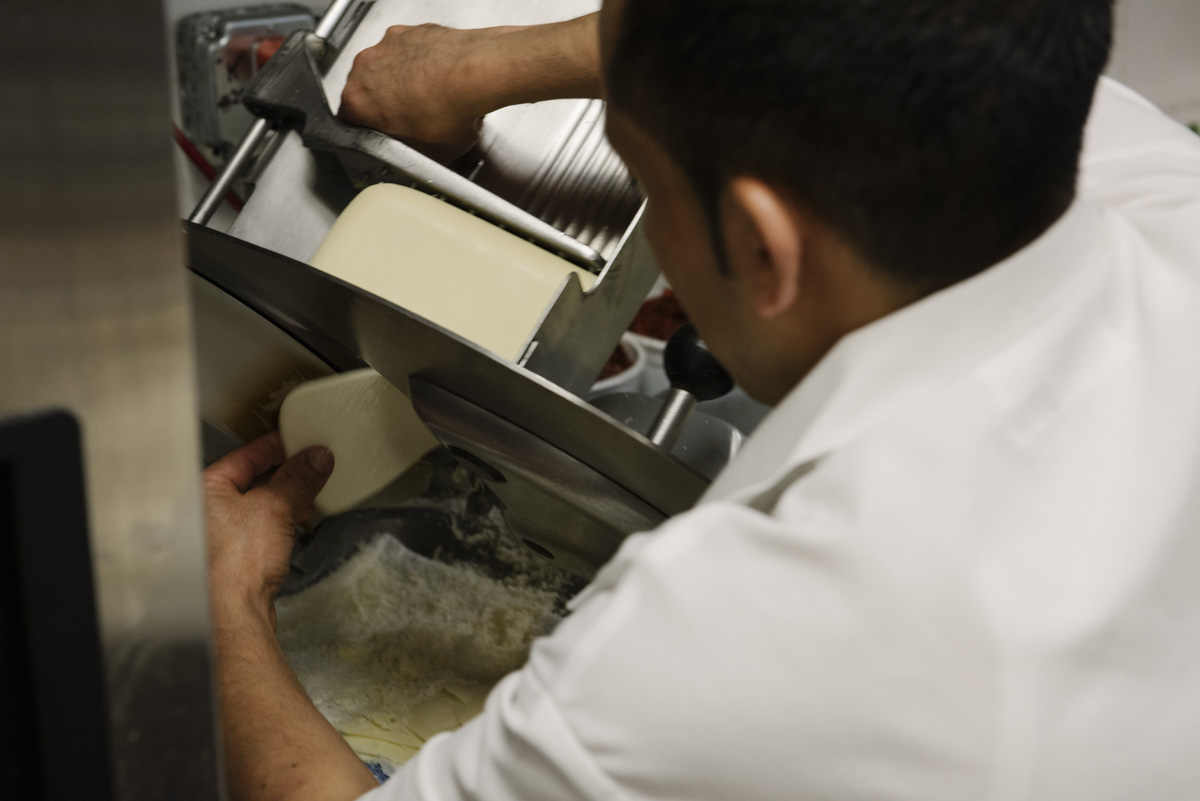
<point x="959" y="562"/>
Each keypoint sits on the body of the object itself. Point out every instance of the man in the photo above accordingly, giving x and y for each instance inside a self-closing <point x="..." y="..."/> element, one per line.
<point x="961" y="558"/>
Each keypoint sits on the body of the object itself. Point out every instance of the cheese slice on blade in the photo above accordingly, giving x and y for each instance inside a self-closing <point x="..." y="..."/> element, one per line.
<point x="369" y="425"/>
<point x="437" y="261"/>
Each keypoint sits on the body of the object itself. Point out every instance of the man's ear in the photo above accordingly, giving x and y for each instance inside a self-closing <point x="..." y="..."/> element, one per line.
<point x="764" y="243"/>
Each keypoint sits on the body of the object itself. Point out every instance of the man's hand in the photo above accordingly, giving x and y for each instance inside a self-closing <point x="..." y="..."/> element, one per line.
<point x="431" y="86"/>
<point x="277" y="745"/>
<point x="253" y="498"/>
<point x="421" y="84"/>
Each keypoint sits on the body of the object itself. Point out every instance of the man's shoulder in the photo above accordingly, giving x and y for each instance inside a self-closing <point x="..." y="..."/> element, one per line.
<point x="730" y="632"/>
<point x="1140" y="161"/>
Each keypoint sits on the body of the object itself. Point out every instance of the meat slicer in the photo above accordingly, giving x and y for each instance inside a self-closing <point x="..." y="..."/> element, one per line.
<point x="571" y="480"/>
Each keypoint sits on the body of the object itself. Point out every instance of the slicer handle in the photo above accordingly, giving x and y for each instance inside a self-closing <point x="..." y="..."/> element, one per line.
<point x="691" y="366"/>
<point x="695" y="376"/>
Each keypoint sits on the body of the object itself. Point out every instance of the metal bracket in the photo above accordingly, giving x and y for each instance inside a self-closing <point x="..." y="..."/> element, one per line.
<point x="579" y="330"/>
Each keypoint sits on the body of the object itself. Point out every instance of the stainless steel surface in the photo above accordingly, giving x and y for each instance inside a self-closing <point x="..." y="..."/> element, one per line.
<point x="246" y="365"/>
<point x="554" y="503"/>
<point x="94" y="319"/>
<point x="583" y="188"/>
<point x="258" y="132"/>
<point x="289" y="90"/>
<point x="548" y="158"/>
<point x="296" y="198"/>
<point x="215" y="194"/>
<point x="321" y="311"/>
<point x="706" y="443"/>
<point x="669" y="424"/>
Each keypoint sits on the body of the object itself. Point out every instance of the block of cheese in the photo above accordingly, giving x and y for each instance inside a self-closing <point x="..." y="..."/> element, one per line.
<point x="452" y="268"/>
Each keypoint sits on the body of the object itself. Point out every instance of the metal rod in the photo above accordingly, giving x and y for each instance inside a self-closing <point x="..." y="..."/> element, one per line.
<point x="675" y="412"/>
<point x="216" y="192"/>
<point x="333" y="15"/>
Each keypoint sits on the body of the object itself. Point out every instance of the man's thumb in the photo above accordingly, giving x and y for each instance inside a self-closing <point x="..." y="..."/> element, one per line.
<point x="300" y="478"/>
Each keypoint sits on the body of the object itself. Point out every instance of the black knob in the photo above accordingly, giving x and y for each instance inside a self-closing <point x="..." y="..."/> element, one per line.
<point x="690" y="366"/>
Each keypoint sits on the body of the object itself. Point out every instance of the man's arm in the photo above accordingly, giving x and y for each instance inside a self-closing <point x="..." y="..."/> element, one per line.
<point x="277" y="745"/>
<point x="431" y="86"/>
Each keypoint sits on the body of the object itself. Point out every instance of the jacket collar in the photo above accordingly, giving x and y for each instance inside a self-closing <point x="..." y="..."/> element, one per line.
<point x="879" y="369"/>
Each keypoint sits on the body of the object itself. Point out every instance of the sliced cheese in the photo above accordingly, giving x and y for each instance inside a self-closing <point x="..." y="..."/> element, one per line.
<point x="369" y="425"/>
<point x="394" y="648"/>
<point x="398" y="738"/>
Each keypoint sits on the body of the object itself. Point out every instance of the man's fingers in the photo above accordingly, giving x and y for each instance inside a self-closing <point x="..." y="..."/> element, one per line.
<point x="300" y="478"/>
<point x="241" y="466"/>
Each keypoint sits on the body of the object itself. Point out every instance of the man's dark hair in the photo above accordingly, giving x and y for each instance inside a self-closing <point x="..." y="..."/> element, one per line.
<point x="936" y="136"/>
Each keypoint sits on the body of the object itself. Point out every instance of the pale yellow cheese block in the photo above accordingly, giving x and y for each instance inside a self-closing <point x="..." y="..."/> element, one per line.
<point x="450" y="267"/>
<point x="369" y="425"/>
<point x="454" y="269"/>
